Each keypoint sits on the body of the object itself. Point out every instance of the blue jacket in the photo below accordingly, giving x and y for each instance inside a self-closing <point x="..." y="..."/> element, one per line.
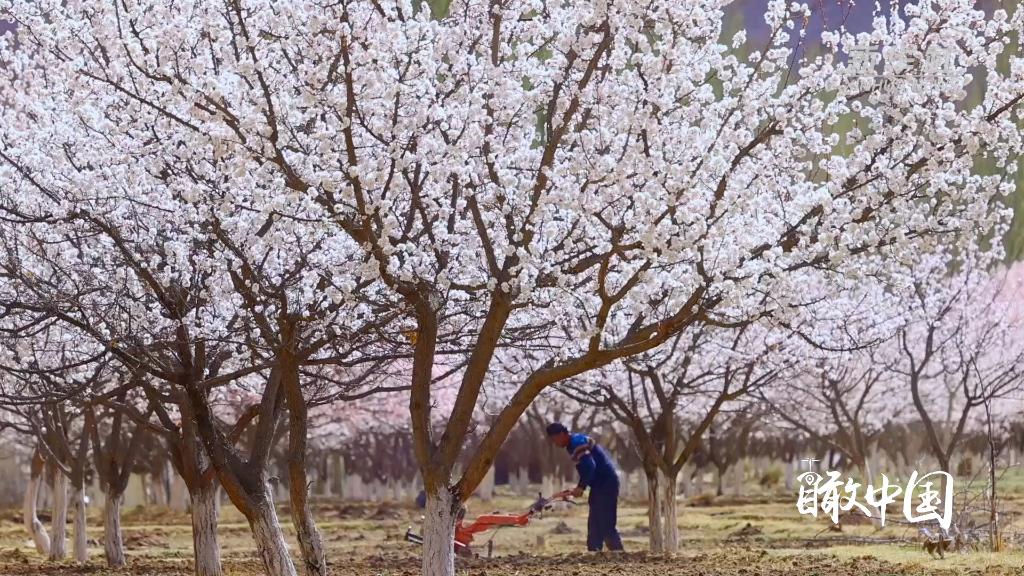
<point x="594" y="465"/>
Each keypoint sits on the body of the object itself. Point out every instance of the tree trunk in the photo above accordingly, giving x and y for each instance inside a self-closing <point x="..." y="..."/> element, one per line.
<point x="81" y="543"/>
<point x="205" y="548"/>
<point x="945" y="466"/>
<point x="337" y="474"/>
<point x="439" y="534"/>
<point x="32" y="524"/>
<point x="995" y="541"/>
<point x="654" y="509"/>
<point x="996" y="544"/>
<point x="179" y="493"/>
<point x="166" y="473"/>
<point x="863" y="466"/>
<point x="687" y="474"/>
<point x="872" y="464"/>
<point x="641" y="486"/>
<point x="270" y="542"/>
<point x="523" y="488"/>
<point x="59" y="518"/>
<point x="738" y="477"/>
<point x="310" y="541"/>
<point x="669" y="517"/>
<point x="486" y="489"/>
<point x="113" y="544"/>
<point x="547" y="484"/>
<point x="867" y="473"/>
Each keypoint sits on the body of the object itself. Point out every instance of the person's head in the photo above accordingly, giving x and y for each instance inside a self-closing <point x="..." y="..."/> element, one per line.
<point x="558" y="434"/>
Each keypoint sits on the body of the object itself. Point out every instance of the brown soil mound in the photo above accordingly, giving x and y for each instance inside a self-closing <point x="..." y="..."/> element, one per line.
<point x="138" y="541"/>
<point x="731" y="562"/>
<point x="386" y="512"/>
<point x="12" y="556"/>
<point x="746" y="532"/>
<point x="563" y="528"/>
<point x="854" y="519"/>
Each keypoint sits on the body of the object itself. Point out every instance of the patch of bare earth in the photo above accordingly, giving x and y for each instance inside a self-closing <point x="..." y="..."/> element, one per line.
<point x="728" y="562"/>
<point x="725" y="562"/>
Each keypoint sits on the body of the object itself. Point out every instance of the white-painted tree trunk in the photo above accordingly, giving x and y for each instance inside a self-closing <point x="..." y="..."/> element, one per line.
<point x="134" y="493"/>
<point x="179" y="493"/>
<point x="523" y="488"/>
<point x="669" y="516"/>
<point x="113" y="543"/>
<point x="218" y="498"/>
<point x="439" y="534"/>
<point x="642" y="488"/>
<point x="310" y="540"/>
<point x="270" y="542"/>
<point x="376" y="490"/>
<point x="32" y="524"/>
<point x="337" y="475"/>
<point x="872" y="464"/>
<point x="81" y="543"/>
<point x="205" y="548"/>
<point x="486" y="489"/>
<point x="45" y="495"/>
<point x="867" y="472"/>
<point x="630" y="488"/>
<point x="59" y="518"/>
<point x="686" y="474"/>
<point x="737" y="478"/>
<point x="354" y="488"/>
<point x="656" y="535"/>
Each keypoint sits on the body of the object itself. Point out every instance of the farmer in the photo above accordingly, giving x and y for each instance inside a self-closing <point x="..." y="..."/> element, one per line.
<point x="598" y="473"/>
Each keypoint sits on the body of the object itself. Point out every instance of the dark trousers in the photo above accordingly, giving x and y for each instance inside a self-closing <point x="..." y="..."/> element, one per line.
<point x="603" y="501"/>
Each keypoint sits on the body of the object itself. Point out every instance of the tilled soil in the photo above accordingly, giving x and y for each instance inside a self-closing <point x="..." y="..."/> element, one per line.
<point x="724" y="562"/>
<point x="366" y="539"/>
<point x="728" y="562"/>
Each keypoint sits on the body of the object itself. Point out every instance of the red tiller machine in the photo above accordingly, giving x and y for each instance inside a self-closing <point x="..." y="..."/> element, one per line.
<point x="464" y="532"/>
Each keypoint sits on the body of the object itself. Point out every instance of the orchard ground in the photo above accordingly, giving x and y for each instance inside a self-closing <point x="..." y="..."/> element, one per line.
<point x="756" y="535"/>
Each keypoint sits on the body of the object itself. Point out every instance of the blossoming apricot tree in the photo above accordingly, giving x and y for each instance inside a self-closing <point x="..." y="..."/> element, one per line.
<point x="578" y="181"/>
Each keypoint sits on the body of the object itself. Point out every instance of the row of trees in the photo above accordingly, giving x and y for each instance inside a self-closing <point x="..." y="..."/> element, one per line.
<point x="701" y="402"/>
<point x="712" y="398"/>
<point x="946" y="364"/>
<point x="220" y="219"/>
